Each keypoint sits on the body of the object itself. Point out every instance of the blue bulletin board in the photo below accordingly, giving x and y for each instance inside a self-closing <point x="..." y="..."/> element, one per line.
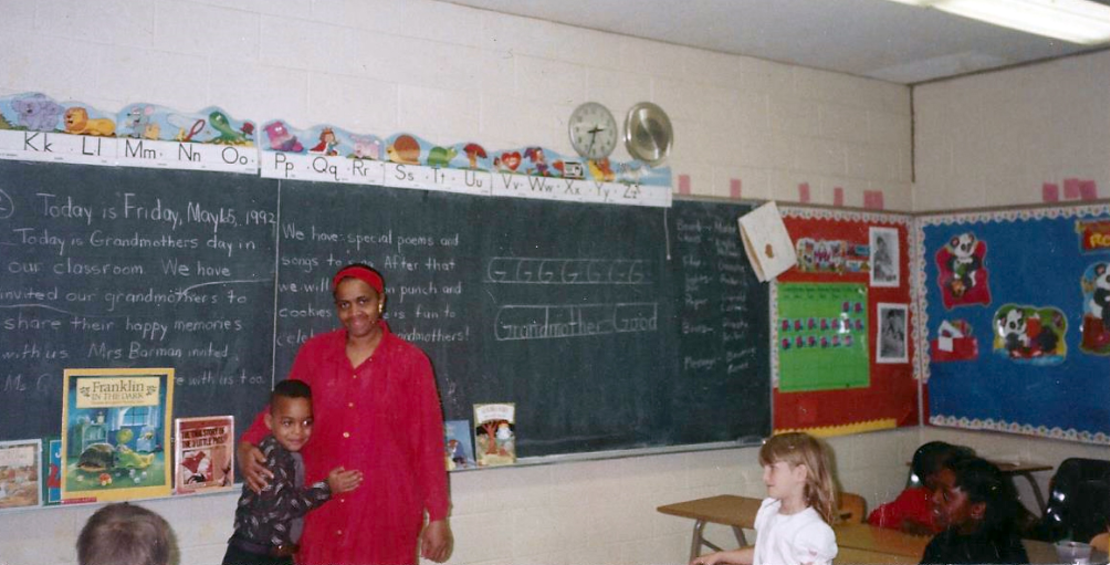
<point x="1015" y="322"/>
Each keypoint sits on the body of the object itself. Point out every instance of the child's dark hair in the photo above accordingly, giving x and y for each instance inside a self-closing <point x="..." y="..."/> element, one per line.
<point x="982" y="481"/>
<point x="125" y="534"/>
<point x="290" y="388"/>
<point x="931" y="457"/>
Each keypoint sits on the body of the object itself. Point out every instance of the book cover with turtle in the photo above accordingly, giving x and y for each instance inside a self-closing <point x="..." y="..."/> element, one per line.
<point x="204" y="453"/>
<point x="20" y="475"/>
<point x="495" y="434"/>
<point x="115" y="432"/>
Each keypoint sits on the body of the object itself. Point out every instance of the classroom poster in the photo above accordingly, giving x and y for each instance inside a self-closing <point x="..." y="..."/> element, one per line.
<point x="822" y="341"/>
<point x="1041" y="366"/>
<point x="835" y="247"/>
<point x="115" y="434"/>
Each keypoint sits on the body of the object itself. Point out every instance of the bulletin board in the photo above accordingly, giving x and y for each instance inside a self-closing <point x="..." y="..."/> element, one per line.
<point x="1015" y="310"/>
<point x="836" y="253"/>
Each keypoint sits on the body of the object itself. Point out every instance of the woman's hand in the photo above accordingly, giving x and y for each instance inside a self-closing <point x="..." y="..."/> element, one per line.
<point x="252" y="466"/>
<point x="341" y="480"/>
<point x="436" y="541"/>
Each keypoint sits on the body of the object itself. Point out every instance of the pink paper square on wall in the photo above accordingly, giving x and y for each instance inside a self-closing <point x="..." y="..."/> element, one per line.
<point x="734" y="188"/>
<point x="803" y="192"/>
<point x="838" y="196"/>
<point x="873" y="199"/>
<point x="1050" y="192"/>
<point x="1071" y="189"/>
<point x="1088" y="190"/>
<point x="684" y="184"/>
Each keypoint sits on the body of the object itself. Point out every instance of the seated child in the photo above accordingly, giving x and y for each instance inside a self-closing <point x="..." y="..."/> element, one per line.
<point x="792" y="525"/>
<point x="268" y="524"/>
<point x="912" y="511"/>
<point x="978" y="509"/>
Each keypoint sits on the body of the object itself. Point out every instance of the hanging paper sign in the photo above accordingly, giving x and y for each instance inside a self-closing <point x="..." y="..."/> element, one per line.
<point x="322" y="153"/>
<point x="209" y="140"/>
<point x="1094" y="235"/>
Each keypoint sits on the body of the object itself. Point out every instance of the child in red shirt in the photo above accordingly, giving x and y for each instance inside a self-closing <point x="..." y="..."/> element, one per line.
<point x="912" y="511"/>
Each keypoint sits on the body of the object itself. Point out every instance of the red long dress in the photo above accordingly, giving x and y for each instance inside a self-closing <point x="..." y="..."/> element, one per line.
<point x="383" y="418"/>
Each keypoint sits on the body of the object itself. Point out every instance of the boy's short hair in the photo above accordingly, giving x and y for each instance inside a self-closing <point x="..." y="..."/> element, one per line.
<point x="124" y="534"/>
<point x="290" y="388"/>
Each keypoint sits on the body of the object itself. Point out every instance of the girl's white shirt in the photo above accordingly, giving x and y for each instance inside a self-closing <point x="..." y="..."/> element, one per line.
<point x="795" y="539"/>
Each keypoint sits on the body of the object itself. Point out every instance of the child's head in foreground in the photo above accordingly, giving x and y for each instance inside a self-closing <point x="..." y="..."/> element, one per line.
<point x="124" y="534"/>
<point x="803" y="463"/>
<point x="290" y="416"/>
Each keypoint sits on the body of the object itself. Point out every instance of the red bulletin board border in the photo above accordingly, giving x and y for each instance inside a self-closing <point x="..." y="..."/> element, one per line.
<point x="893" y="393"/>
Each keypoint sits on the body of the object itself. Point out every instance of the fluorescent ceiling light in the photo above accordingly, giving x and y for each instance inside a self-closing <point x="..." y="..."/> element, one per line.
<point x="1075" y="21"/>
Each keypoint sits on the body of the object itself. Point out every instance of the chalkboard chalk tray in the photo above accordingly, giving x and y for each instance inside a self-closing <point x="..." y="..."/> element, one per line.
<point x="610" y="327"/>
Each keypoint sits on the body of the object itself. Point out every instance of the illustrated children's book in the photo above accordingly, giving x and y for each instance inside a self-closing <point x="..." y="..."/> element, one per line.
<point x="495" y="434"/>
<point x="20" y="475"/>
<point x="204" y="453"/>
<point x="115" y="432"/>
<point x="52" y="471"/>
<point x="459" y="449"/>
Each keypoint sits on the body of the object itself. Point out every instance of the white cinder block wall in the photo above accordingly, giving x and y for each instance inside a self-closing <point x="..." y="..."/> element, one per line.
<point x="451" y="74"/>
<point x="995" y="139"/>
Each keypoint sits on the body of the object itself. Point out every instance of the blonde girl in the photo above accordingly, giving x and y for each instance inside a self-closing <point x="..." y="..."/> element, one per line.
<point x="792" y="526"/>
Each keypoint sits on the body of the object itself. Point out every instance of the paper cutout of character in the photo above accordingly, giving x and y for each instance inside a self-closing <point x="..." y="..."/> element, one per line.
<point x="1096" y="309"/>
<point x="1030" y="334"/>
<point x="963" y="275"/>
<point x="955" y="341"/>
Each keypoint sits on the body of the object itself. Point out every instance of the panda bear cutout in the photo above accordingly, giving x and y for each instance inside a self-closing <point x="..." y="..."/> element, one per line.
<point x="962" y="273"/>
<point x="1030" y="334"/>
<point x="1096" y="309"/>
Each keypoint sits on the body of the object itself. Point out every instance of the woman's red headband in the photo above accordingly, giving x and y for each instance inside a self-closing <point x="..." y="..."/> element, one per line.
<point x="365" y="275"/>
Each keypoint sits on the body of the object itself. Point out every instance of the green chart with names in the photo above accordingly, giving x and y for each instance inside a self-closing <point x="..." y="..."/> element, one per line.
<point x="822" y="336"/>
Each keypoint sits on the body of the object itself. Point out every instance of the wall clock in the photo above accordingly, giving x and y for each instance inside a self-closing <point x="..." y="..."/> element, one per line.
<point x="593" y="131"/>
<point x="648" y="134"/>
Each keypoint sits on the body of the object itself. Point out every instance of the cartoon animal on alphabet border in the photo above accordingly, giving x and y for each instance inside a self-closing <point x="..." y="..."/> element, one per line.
<point x="37" y="112"/>
<point x="1096" y="309"/>
<point x="963" y="276"/>
<point x="78" y="122"/>
<point x="281" y="139"/>
<point x="1031" y="334"/>
<point x="404" y="150"/>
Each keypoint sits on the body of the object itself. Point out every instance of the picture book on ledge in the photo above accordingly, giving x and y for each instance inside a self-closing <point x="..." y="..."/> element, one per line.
<point x="459" y="449"/>
<point x="115" y="433"/>
<point x="204" y="454"/>
<point x="495" y="434"/>
<point x="20" y="475"/>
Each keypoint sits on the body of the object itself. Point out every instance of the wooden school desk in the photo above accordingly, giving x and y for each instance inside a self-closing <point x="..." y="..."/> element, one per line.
<point x="730" y="510"/>
<point x="866" y="537"/>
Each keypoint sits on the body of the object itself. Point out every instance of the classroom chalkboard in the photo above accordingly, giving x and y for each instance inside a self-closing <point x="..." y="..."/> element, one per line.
<point x="609" y="327"/>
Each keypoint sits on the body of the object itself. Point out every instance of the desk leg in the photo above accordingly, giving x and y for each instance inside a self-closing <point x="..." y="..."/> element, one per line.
<point x="697" y="541"/>
<point x="739" y="536"/>
<point x="1036" y="491"/>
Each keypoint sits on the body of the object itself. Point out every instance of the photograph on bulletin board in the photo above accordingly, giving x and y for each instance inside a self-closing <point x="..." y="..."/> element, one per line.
<point x="822" y="341"/>
<point x="1014" y="327"/>
<point x="848" y="387"/>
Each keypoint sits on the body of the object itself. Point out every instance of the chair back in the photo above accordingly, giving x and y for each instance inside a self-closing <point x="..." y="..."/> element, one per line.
<point x="1078" y="501"/>
<point x="851" y="508"/>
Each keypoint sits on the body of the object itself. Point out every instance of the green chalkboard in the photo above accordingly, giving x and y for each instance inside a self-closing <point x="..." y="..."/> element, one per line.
<point x="610" y="327"/>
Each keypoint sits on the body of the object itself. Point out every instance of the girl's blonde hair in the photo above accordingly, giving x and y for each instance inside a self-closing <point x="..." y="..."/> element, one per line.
<point x="796" y="448"/>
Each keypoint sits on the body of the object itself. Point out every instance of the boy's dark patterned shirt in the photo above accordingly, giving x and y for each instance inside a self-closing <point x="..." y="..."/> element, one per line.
<point x="265" y="518"/>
